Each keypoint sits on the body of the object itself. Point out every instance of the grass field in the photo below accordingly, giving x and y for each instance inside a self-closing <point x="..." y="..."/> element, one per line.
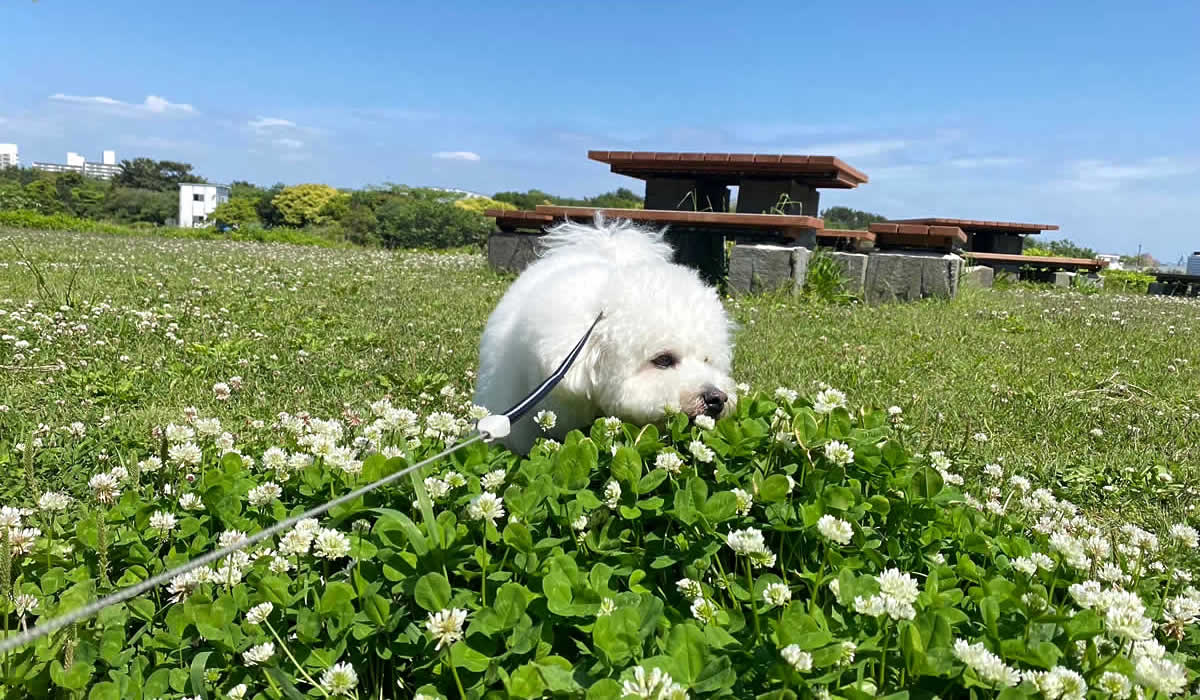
<point x="162" y="398"/>
<point x="1095" y="394"/>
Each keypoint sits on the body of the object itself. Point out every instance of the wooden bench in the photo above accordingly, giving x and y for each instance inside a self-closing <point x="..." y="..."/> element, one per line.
<point x="925" y="236"/>
<point x="1175" y="284"/>
<point x="1007" y="260"/>
<point x="1005" y="237"/>
<point x="846" y="239"/>
<point x="787" y="226"/>
<point x="508" y="220"/>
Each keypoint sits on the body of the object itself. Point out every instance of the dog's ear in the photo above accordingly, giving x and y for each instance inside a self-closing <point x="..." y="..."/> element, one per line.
<point x="595" y="362"/>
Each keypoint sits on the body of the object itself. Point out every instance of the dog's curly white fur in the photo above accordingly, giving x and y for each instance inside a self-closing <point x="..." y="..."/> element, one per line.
<point x="663" y="344"/>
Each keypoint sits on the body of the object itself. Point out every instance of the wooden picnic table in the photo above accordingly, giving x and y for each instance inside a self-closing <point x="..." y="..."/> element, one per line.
<point x="1005" y="237"/>
<point x="767" y="183"/>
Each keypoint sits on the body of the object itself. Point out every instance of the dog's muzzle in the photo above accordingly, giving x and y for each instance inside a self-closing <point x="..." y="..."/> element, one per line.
<point x="714" y="401"/>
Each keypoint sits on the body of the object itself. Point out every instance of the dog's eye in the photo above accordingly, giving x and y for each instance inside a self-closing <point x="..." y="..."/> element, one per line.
<point x="664" y="360"/>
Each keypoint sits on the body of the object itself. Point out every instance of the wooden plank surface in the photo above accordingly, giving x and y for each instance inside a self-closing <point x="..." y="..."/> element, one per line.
<point x="666" y="216"/>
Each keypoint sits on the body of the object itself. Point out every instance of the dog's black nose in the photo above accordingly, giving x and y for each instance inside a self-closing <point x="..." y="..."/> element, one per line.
<point x="714" y="401"/>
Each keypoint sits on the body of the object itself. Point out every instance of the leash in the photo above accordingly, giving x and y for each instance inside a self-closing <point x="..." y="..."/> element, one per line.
<point x="487" y="429"/>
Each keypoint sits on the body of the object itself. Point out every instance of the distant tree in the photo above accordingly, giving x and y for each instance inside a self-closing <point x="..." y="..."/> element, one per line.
<point x="43" y="191"/>
<point x="129" y="204"/>
<point x="1061" y="248"/>
<point x="159" y="175"/>
<point x="301" y="205"/>
<point x="847" y="218"/>
<point x="237" y="211"/>
<point x="482" y="204"/>
<point x="420" y="221"/>
<point x="361" y="224"/>
<point x="268" y="213"/>
<point x="14" y="197"/>
<point x="240" y="189"/>
<point x="622" y="198"/>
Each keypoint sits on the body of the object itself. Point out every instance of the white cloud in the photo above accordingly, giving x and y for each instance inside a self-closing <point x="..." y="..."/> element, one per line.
<point x="456" y="155"/>
<point x="291" y="144"/>
<point x="853" y="149"/>
<point x="986" y="162"/>
<point x="153" y="104"/>
<point x="1101" y="175"/>
<point x="264" y="123"/>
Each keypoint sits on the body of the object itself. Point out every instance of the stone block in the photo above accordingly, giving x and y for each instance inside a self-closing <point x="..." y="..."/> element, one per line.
<point x="979" y="276"/>
<point x="1156" y="288"/>
<point x="1064" y="279"/>
<point x="512" y="252"/>
<point x="912" y="275"/>
<point x="854" y="267"/>
<point x="761" y="267"/>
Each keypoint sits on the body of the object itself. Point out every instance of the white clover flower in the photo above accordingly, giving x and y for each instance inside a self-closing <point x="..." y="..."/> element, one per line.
<point x="454" y="479"/>
<point x="53" y="501"/>
<point x="1117" y="685"/>
<point x="263" y="494"/>
<point x="105" y="487"/>
<point x="744" y="501"/>
<point x="221" y="391"/>
<point x="1025" y="565"/>
<point x="445" y="626"/>
<point x="788" y="395"/>
<point x="259" y="654"/>
<point x="76" y="429"/>
<point x="25" y="603"/>
<point x="994" y="471"/>
<point x="331" y="544"/>
<point x="872" y="607"/>
<point x="279" y="565"/>
<point x="896" y="584"/>
<point x="1043" y="562"/>
<point x="10" y="517"/>
<point x="895" y="411"/>
<point x="150" y="465"/>
<point x="777" y="594"/>
<point x="179" y="433"/>
<point x="828" y="400"/>
<point x="21" y="540"/>
<point x="579" y="524"/>
<point x="1059" y="682"/>
<point x="839" y="453"/>
<point x="612" y="494"/>
<point x="749" y="542"/>
<point x="669" y="462"/>
<point x="797" y="658"/>
<point x="653" y="685"/>
<point x="704" y="422"/>
<point x="847" y="653"/>
<point x="989" y="667"/>
<point x="238" y="692"/>
<point x="486" y="506"/>
<point x="835" y="529"/>
<point x="185" y="453"/>
<point x="1020" y="483"/>
<point x="208" y="427"/>
<point x="689" y="587"/>
<point x="1086" y="594"/>
<point x="339" y="680"/>
<point x="258" y="613"/>
<point x="163" y="522"/>
<point x="436" y="488"/>
<point x="704" y="610"/>
<point x="1160" y="675"/>
<point x="190" y="501"/>
<point x="493" y="480"/>
<point x="476" y="412"/>
<point x="546" y="420"/>
<point x="702" y="453"/>
<point x="1185" y="535"/>
<point x="607" y="606"/>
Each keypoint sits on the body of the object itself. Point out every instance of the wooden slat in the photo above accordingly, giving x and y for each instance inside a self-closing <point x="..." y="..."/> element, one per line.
<point x="845" y="233"/>
<point x="833" y="171"/>
<point x="1047" y="260"/>
<point x="667" y="216"/>
<point x="973" y="225"/>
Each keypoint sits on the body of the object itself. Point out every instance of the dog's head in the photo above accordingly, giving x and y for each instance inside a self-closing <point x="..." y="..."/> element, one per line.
<point x="663" y="346"/>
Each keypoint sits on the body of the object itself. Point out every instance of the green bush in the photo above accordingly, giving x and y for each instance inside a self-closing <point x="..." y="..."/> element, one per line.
<point x="1126" y="281"/>
<point x="799" y="547"/>
<point x="316" y="235"/>
<point x="825" y="279"/>
<point x="419" y="222"/>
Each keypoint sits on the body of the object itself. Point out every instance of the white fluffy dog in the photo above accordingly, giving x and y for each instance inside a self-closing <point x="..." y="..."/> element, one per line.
<point x="662" y="345"/>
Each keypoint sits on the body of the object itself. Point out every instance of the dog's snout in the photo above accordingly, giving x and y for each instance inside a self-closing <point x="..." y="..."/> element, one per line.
<point x="714" y="401"/>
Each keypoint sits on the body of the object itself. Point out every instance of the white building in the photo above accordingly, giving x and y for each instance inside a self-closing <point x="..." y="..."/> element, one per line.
<point x="10" y="157"/>
<point x="197" y="202"/>
<point x="78" y="163"/>
<point x="1114" y="261"/>
<point x="1193" y="263"/>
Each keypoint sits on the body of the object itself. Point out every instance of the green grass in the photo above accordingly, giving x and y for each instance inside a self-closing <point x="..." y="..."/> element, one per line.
<point x="152" y="324"/>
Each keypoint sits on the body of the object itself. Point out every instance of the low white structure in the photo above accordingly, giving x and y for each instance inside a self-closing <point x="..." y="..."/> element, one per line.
<point x="10" y="157"/>
<point x="1114" y="261"/>
<point x="197" y="202"/>
<point x="109" y="158"/>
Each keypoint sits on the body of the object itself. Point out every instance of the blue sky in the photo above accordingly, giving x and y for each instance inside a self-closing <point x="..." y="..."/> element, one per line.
<point x="1086" y="115"/>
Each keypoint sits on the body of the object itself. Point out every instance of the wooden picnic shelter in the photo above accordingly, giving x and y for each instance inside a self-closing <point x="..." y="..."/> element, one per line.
<point x="767" y="183"/>
<point x="1006" y="237"/>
